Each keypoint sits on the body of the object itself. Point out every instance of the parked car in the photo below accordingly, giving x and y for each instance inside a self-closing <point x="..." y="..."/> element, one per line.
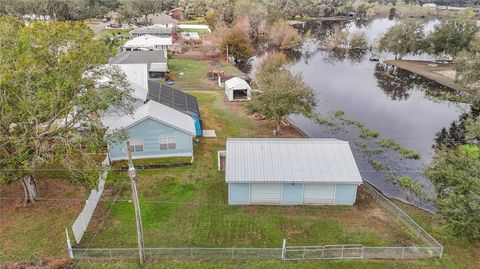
<point x="115" y="25"/>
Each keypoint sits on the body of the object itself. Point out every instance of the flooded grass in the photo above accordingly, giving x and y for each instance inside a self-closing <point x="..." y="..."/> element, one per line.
<point x="394" y="145"/>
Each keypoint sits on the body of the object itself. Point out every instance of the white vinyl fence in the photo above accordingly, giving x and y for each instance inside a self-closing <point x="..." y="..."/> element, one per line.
<point x="80" y="225"/>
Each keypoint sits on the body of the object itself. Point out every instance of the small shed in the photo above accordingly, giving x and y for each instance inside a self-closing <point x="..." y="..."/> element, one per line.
<point x="237" y="89"/>
<point x="290" y="171"/>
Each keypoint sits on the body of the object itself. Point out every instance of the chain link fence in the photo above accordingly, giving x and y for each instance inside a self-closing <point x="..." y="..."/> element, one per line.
<point x="431" y="248"/>
<point x="181" y="253"/>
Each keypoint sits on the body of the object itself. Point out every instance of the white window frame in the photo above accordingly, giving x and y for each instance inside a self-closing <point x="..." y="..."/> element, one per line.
<point x="134" y="143"/>
<point x="169" y="143"/>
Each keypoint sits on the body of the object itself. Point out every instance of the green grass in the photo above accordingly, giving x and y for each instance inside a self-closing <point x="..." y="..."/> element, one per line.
<point x="152" y="162"/>
<point x="407" y="183"/>
<point x="201" y="32"/>
<point x="195" y="73"/>
<point x="199" y="20"/>
<point x="392" y="144"/>
<point x="367" y="133"/>
<point x="112" y="32"/>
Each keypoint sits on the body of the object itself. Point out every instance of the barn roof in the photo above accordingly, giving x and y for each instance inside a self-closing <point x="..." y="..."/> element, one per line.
<point x="175" y="99"/>
<point x="290" y="160"/>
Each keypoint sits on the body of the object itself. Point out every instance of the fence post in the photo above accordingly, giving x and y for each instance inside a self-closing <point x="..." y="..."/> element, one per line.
<point x="403" y="252"/>
<point x="284" y="246"/>
<point x="69" y="245"/>
<point x="362" y="252"/>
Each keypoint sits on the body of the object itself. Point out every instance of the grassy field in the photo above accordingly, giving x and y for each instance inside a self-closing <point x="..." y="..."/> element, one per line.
<point x="195" y="73"/>
<point x="187" y="206"/>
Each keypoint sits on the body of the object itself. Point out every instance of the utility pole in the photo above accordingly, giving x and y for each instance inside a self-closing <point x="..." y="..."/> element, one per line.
<point x="227" y="54"/>
<point x="138" y="216"/>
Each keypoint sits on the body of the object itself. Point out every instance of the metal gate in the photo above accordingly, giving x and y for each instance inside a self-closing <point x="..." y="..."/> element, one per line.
<point x="327" y="252"/>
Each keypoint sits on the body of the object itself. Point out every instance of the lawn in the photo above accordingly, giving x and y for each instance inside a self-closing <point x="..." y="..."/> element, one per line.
<point x="201" y="32"/>
<point x="112" y="32"/>
<point x="195" y="73"/>
<point x="187" y="205"/>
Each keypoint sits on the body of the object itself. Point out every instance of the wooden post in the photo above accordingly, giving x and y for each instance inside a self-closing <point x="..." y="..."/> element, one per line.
<point x="138" y="216"/>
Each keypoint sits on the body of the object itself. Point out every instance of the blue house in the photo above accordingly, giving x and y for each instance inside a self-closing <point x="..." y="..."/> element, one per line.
<point x="154" y="130"/>
<point x="293" y="171"/>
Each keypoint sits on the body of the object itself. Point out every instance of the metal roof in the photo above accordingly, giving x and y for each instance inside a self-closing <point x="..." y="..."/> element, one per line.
<point x="236" y="83"/>
<point x="290" y="160"/>
<point x="153" y="29"/>
<point x="152" y="110"/>
<point x="148" y="41"/>
<point x="175" y="99"/>
<point x="153" y="59"/>
<point x="137" y="76"/>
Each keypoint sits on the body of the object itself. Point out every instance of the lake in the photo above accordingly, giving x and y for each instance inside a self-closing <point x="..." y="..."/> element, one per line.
<point x="397" y="104"/>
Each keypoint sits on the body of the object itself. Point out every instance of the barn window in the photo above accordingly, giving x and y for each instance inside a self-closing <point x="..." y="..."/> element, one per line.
<point x="136" y="144"/>
<point x="168" y="143"/>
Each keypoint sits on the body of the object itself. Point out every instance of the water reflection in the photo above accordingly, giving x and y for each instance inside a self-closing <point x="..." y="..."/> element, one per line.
<point x="456" y="134"/>
<point x="396" y="103"/>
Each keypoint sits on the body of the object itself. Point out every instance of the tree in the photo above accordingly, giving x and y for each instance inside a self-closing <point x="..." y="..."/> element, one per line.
<point x="52" y="90"/>
<point x="401" y="39"/>
<point x="452" y="36"/>
<point x="358" y="41"/>
<point x="254" y="12"/>
<point x="283" y="36"/>
<point x="133" y="9"/>
<point x="282" y="93"/>
<point x="455" y="174"/>
<point x="237" y="44"/>
<point x="467" y="65"/>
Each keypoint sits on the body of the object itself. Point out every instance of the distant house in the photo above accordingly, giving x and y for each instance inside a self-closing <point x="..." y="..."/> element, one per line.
<point x="175" y="13"/>
<point x="148" y="42"/>
<point x="153" y="30"/>
<point x="162" y="20"/>
<point x="237" y="89"/>
<point x="190" y="35"/>
<point x="178" y="100"/>
<point x="156" y="61"/>
<point x="154" y="130"/>
<point x="262" y="171"/>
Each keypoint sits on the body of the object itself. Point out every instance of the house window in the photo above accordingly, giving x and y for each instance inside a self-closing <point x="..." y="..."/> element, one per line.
<point x="136" y="144"/>
<point x="168" y="143"/>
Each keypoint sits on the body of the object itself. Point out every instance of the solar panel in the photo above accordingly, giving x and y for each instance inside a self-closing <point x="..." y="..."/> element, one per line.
<point x="173" y="98"/>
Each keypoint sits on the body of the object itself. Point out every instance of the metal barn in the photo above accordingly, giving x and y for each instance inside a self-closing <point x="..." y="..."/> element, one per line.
<point x="276" y="171"/>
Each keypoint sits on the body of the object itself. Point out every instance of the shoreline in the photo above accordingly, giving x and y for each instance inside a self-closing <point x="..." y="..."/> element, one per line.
<point x="442" y="73"/>
<point x="303" y="134"/>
